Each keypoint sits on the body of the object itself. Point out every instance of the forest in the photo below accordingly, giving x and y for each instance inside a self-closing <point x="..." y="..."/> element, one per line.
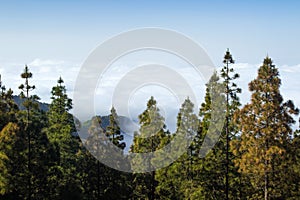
<point x="257" y="155"/>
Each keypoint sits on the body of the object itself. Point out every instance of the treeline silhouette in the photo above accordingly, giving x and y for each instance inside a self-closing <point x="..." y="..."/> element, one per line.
<point x="256" y="156"/>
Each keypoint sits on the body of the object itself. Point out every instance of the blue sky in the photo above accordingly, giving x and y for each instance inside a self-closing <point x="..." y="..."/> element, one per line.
<point x="55" y="37"/>
<point x="69" y="30"/>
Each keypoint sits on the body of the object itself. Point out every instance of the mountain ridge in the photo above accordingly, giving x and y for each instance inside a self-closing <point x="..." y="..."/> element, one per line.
<point x="104" y="120"/>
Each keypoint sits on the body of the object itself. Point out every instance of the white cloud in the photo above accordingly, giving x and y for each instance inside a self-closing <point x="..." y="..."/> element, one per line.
<point x="39" y="62"/>
<point x="46" y="73"/>
<point x="289" y="78"/>
<point x="290" y="69"/>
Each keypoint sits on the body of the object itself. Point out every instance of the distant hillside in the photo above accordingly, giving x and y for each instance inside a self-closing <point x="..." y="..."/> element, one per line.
<point x="128" y="138"/>
<point x="19" y="102"/>
<point x="124" y="121"/>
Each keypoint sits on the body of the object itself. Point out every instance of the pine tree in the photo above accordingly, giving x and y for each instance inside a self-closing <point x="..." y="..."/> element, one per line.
<point x="62" y="177"/>
<point x="151" y="137"/>
<point x="8" y="108"/>
<point x="118" y="181"/>
<point x="28" y="104"/>
<point x="232" y="105"/>
<point x="96" y="174"/>
<point x="113" y="131"/>
<point x="209" y="169"/>
<point x="214" y="170"/>
<point x="176" y="180"/>
<point x="32" y="121"/>
<point x="13" y="148"/>
<point x="265" y="125"/>
<point x="60" y="106"/>
<point x="101" y="181"/>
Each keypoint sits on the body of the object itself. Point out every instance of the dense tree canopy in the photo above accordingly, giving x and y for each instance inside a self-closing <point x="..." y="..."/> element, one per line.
<point x="256" y="156"/>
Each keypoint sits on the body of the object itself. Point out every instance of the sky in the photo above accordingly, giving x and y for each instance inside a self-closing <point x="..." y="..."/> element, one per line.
<point x="54" y="38"/>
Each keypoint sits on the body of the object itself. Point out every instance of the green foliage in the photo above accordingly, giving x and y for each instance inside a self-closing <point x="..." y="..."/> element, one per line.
<point x="175" y="181"/>
<point x="210" y="170"/>
<point x="62" y="175"/>
<point x="95" y="176"/>
<point x="263" y="147"/>
<point x="41" y="156"/>
<point x="13" y="160"/>
<point x="101" y="181"/>
<point x="233" y="179"/>
<point x="294" y="167"/>
<point x="38" y="152"/>
<point x="4" y="173"/>
<point x="150" y="138"/>
<point x="113" y="131"/>
<point x="8" y="107"/>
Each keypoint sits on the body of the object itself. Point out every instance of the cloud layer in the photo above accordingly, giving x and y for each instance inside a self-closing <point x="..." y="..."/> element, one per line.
<point x="46" y="73"/>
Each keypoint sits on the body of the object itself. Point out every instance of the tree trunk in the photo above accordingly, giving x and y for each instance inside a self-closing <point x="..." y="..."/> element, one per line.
<point x="266" y="186"/>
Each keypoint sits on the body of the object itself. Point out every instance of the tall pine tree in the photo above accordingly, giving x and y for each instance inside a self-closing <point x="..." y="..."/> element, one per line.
<point x="210" y="168"/>
<point x="63" y="180"/>
<point x="265" y="125"/>
<point x="176" y="181"/>
<point x="33" y="120"/>
<point x="228" y="77"/>
<point x="118" y="180"/>
<point x="96" y="173"/>
<point x="113" y="131"/>
<point x="150" y="138"/>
